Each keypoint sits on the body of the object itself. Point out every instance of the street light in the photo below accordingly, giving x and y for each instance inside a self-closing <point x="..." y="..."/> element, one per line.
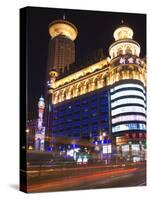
<point x="27" y="130"/>
<point x="29" y="139"/>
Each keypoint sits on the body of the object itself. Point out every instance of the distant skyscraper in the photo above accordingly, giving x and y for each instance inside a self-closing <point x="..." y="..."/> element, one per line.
<point x="61" y="47"/>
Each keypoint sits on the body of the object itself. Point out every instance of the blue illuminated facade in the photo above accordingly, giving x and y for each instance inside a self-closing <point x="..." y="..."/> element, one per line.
<point x="82" y="117"/>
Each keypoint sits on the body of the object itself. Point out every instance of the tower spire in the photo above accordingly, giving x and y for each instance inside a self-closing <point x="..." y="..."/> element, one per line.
<point x="64" y="16"/>
<point x="122" y="21"/>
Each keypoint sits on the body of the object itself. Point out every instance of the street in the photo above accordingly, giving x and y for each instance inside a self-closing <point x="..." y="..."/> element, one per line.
<point x="87" y="177"/>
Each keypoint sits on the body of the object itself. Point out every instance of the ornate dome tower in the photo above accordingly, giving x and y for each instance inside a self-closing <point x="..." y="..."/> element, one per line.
<point x="62" y="47"/>
<point x="125" y="58"/>
<point x="124" y="43"/>
<point x="63" y="27"/>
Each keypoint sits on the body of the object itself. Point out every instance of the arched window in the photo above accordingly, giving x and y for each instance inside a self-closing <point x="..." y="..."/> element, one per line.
<point x="128" y="50"/>
<point x="113" y="54"/>
<point x="65" y="95"/>
<point x="120" y="51"/>
<point x="105" y="80"/>
<point x="87" y="86"/>
<point x="71" y="92"/>
<point x="131" y="74"/>
<point x="95" y="83"/>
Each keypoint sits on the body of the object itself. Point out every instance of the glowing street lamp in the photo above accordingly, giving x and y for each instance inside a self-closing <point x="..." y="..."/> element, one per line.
<point x="27" y="130"/>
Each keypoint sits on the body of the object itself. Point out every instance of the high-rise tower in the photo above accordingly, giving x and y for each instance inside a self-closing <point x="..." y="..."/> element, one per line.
<point x="61" y="54"/>
<point x="61" y="46"/>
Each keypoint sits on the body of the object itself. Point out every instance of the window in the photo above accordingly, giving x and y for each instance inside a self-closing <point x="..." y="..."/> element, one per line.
<point x="126" y="109"/>
<point x="128" y="50"/>
<point x="104" y="117"/>
<point x="94" y="114"/>
<point x="104" y="109"/>
<point x="128" y="118"/>
<point x="94" y="97"/>
<point x="127" y="85"/>
<point x="103" y="94"/>
<point x="126" y="93"/>
<point x="94" y="134"/>
<point x="127" y="101"/>
<point x="104" y="101"/>
<point x="84" y="101"/>
<point x="129" y="126"/>
<point x="94" y="127"/>
<point x="104" y="126"/>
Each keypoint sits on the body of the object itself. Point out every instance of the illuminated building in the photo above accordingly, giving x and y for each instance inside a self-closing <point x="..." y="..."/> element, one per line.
<point x="61" y="54"/>
<point x="40" y="129"/>
<point x="61" y="46"/>
<point x="108" y="96"/>
<point x="128" y="94"/>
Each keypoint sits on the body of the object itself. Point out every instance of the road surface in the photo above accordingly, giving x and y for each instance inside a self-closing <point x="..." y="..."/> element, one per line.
<point x="90" y="177"/>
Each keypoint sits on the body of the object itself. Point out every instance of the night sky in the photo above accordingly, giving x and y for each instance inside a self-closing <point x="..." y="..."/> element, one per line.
<point x="95" y="31"/>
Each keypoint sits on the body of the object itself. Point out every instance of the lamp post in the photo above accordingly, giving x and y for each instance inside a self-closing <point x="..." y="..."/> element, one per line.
<point x="27" y="134"/>
<point x="29" y="139"/>
<point x="130" y="149"/>
<point x="105" y="137"/>
<point x="141" y="152"/>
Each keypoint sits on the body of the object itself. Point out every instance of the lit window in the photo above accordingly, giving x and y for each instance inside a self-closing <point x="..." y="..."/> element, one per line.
<point x="126" y="93"/>
<point x="127" y="101"/>
<point x="128" y="118"/>
<point x="127" y="85"/>
<point x="130" y="126"/>
<point x="128" y="109"/>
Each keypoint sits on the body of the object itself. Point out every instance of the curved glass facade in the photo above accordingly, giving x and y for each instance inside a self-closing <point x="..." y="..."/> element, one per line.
<point x="129" y="126"/>
<point x="128" y="101"/>
<point x="127" y="93"/>
<point x="127" y="85"/>
<point x="125" y="118"/>
<point x="128" y="109"/>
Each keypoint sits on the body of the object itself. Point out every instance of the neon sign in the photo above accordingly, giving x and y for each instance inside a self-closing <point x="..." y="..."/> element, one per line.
<point x="130" y="60"/>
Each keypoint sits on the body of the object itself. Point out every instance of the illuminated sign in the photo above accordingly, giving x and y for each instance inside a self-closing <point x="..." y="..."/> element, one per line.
<point x="125" y="148"/>
<point x="127" y="93"/>
<point x="127" y="85"/>
<point x="127" y="109"/>
<point x="129" y="126"/>
<point x="107" y="149"/>
<point x="70" y="152"/>
<point x="127" y="101"/>
<point x="135" y="149"/>
<point x="85" y="159"/>
<point x="128" y="118"/>
<point x="121" y="140"/>
<point x="97" y="148"/>
<point x="130" y="60"/>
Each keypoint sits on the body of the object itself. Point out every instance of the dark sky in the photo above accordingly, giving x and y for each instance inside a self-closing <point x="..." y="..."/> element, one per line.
<point x="95" y="31"/>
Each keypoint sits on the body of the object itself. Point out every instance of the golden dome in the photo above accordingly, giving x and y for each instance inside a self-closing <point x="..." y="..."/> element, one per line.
<point x="123" y="32"/>
<point x="53" y="73"/>
<point x="63" y="27"/>
<point x="124" y="43"/>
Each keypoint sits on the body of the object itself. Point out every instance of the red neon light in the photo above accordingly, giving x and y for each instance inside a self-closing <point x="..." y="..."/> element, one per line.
<point x="134" y="135"/>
